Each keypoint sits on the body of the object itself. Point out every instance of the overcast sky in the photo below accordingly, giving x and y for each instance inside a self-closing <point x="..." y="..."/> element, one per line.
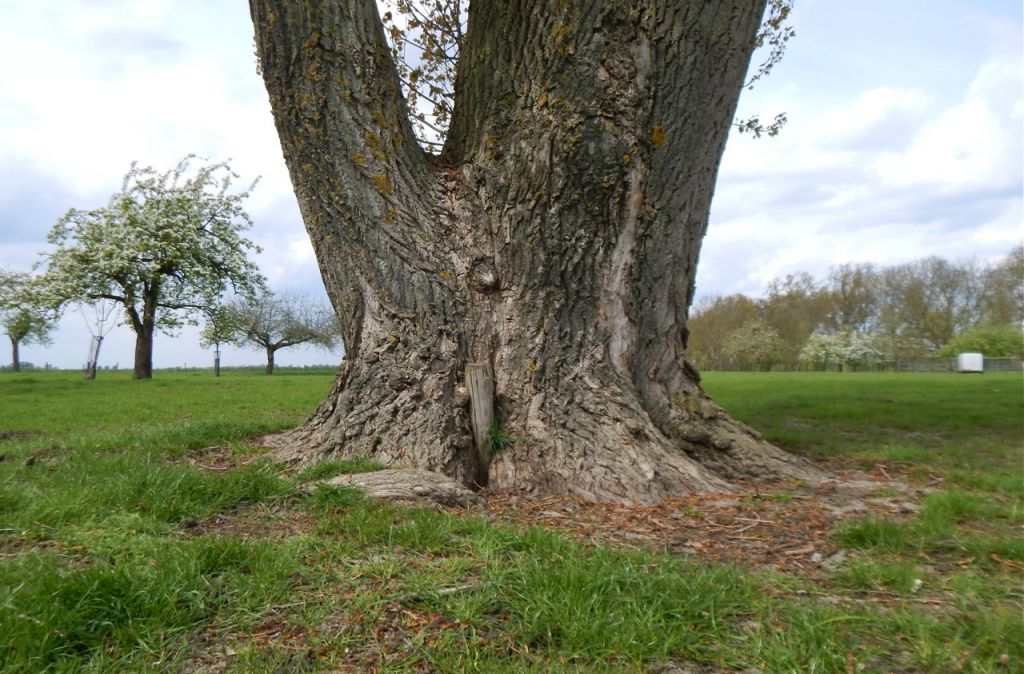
<point x="904" y="140"/>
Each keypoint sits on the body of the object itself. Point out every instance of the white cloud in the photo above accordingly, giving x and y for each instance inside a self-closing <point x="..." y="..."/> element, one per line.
<point x="888" y="177"/>
<point x="291" y="263"/>
<point x="99" y="84"/>
<point x="881" y="118"/>
<point x="972" y="145"/>
<point x="142" y="80"/>
<point x="1003" y="232"/>
<point x="965" y="148"/>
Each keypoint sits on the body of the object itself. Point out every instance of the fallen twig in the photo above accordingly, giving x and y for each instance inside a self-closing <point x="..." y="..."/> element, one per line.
<point x="1005" y="562"/>
<point x="442" y="592"/>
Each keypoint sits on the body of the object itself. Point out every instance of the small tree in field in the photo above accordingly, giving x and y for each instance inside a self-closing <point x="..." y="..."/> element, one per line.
<point x="274" y="322"/>
<point x="755" y="345"/>
<point x="861" y="350"/>
<point x="165" y="247"/>
<point x="99" y="318"/>
<point x="21" y="316"/>
<point x="822" y="350"/>
<point x="219" y="329"/>
<point x="843" y="349"/>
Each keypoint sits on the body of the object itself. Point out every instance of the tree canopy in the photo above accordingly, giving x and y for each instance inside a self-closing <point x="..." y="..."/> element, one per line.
<point x="165" y="247"/>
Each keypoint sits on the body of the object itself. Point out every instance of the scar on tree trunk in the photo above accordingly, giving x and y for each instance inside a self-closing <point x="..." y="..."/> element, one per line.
<point x="554" y="242"/>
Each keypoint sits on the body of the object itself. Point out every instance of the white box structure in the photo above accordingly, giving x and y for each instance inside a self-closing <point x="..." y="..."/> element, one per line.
<point x="970" y="362"/>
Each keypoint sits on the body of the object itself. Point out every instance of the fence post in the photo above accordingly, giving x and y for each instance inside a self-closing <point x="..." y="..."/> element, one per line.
<point x="480" y="385"/>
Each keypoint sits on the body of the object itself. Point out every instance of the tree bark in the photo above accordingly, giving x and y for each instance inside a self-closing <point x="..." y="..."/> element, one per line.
<point x="555" y="239"/>
<point x="143" y="368"/>
<point x="269" y="369"/>
<point x="15" y="356"/>
<point x="144" y="325"/>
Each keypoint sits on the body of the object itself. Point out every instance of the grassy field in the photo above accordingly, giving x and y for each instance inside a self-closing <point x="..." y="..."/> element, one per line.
<point x="139" y="531"/>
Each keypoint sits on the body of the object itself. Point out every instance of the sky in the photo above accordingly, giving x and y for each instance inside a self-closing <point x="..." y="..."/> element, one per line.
<point x="904" y="140"/>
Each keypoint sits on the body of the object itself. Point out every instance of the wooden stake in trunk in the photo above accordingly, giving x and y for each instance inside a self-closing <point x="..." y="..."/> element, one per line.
<point x="480" y="385"/>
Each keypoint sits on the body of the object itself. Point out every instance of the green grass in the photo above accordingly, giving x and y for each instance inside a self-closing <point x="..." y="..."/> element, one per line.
<point x="119" y="551"/>
<point x="327" y="469"/>
<point x="965" y="429"/>
<point x="961" y="438"/>
<point x="950" y="420"/>
<point x="195" y="407"/>
<point x="129" y="604"/>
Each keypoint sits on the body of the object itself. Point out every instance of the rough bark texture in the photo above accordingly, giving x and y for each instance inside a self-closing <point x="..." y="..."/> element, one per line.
<point x="143" y="368"/>
<point x="144" y="325"/>
<point x="556" y="239"/>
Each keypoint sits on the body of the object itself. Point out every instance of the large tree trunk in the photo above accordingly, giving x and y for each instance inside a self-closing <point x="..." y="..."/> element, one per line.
<point x="144" y="326"/>
<point x="555" y="240"/>
<point x="15" y="356"/>
<point x="269" y="369"/>
<point x="143" y="368"/>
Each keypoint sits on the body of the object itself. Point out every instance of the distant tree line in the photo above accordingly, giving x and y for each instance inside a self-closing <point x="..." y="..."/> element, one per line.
<point x="861" y="315"/>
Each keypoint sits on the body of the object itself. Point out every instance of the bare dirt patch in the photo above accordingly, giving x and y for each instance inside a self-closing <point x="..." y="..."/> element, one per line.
<point x="45" y="456"/>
